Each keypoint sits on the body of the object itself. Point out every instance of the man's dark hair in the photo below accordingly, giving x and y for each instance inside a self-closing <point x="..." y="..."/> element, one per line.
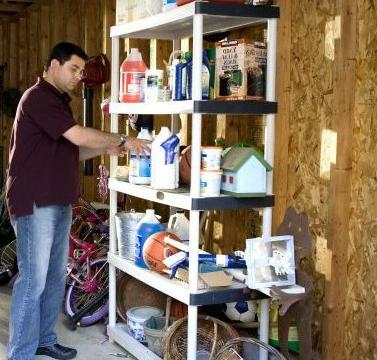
<point x="63" y="52"/>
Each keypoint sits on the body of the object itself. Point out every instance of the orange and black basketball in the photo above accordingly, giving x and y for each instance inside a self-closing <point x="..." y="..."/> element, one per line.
<point x="155" y="250"/>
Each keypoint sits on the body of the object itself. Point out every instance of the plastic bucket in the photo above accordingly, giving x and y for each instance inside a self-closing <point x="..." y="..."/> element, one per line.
<point x="210" y="183"/>
<point x="211" y="157"/>
<point x="154" y="332"/>
<point x="126" y="223"/>
<point x="136" y="317"/>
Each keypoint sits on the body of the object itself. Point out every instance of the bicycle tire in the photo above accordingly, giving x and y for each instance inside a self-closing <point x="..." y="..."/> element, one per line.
<point x="71" y="295"/>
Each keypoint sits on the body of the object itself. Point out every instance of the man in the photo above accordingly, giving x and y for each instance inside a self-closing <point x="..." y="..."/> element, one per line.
<point x="46" y="145"/>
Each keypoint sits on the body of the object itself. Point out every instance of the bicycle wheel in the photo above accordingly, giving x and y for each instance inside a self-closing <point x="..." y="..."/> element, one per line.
<point x="92" y="278"/>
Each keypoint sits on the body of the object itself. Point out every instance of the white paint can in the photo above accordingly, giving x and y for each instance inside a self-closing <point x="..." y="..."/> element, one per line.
<point x="210" y="183"/>
<point x="211" y="157"/>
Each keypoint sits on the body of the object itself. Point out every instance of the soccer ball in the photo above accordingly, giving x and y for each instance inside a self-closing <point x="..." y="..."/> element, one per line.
<point x="243" y="311"/>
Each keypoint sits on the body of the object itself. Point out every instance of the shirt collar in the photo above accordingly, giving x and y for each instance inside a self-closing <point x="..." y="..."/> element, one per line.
<point x="45" y="84"/>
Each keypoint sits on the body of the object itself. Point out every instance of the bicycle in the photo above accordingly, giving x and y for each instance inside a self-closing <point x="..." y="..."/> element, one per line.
<point x="86" y="300"/>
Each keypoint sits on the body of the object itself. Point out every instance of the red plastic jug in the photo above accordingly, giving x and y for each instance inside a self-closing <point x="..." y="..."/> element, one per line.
<point x="132" y="75"/>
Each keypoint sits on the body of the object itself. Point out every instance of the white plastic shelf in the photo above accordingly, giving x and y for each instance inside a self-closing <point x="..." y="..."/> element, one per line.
<point x="178" y="23"/>
<point x="181" y="197"/>
<point x="245" y="107"/>
<point x="120" y="335"/>
<point x="180" y="290"/>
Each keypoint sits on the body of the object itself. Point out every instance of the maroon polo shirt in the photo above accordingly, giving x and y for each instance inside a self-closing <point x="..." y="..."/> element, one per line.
<point x="43" y="165"/>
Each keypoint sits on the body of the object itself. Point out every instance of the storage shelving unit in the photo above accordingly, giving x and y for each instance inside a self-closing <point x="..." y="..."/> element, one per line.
<point x="193" y="19"/>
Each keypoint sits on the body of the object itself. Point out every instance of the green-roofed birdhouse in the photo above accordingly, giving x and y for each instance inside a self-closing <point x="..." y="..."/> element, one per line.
<point x="244" y="172"/>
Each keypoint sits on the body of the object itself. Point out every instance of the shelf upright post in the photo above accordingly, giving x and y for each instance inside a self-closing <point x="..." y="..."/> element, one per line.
<point x="269" y="148"/>
<point x="113" y="165"/>
<point x="195" y="182"/>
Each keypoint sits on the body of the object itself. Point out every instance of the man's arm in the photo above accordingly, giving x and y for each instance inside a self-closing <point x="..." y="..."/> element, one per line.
<point x="92" y="138"/>
<point x="87" y="153"/>
<point x="93" y="142"/>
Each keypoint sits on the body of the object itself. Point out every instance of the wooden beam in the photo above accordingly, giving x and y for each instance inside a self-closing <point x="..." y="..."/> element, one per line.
<point x="334" y="331"/>
<point x="11" y="7"/>
<point x="22" y="54"/>
<point x="283" y="93"/>
<point x="44" y="33"/>
<point x="34" y="65"/>
<point x="57" y="21"/>
<point x="93" y="46"/>
<point x="13" y="55"/>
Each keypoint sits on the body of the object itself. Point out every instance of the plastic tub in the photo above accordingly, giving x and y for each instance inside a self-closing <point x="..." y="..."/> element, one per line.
<point x="154" y="332"/>
<point x="136" y="317"/>
<point x="211" y="157"/>
<point x="126" y="223"/>
<point x="210" y="183"/>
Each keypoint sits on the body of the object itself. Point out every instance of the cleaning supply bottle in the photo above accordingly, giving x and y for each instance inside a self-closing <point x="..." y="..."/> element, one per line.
<point x="180" y="91"/>
<point x="147" y="226"/>
<point x="165" y="161"/>
<point x="132" y="76"/>
<point x="211" y="53"/>
<point x="174" y="60"/>
<point x="205" y="78"/>
<point x="140" y="167"/>
<point x="179" y="225"/>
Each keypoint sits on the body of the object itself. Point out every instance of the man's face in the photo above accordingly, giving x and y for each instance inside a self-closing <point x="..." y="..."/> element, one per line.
<point x="67" y="76"/>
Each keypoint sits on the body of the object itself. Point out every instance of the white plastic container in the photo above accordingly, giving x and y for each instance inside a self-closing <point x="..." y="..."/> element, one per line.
<point x="179" y="225"/>
<point x="210" y="183"/>
<point x="140" y="168"/>
<point x="211" y="157"/>
<point x="136" y="317"/>
<point x="153" y="83"/>
<point x="165" y="161"/>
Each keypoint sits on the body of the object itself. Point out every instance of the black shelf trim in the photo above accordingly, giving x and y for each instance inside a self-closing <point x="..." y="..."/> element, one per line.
<point x="225" y="296"/>
<point x="237" y="10"/>
<point x="225" y="202"/>
<point x="241" y="107"/>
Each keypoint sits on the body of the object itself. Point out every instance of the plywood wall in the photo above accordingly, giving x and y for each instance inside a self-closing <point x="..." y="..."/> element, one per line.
<point x="325" y="161"/>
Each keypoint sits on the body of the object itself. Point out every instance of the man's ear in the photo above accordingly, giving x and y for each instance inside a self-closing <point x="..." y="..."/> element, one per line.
<point x="54" y="63"/>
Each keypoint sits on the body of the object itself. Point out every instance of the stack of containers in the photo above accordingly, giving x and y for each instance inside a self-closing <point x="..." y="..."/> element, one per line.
<point x="210" y="173"/>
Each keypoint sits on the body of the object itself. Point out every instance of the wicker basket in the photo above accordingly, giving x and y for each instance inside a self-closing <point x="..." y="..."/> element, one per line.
<point x="248" y="348"/>
<point x="132" y="292"/>
<point x="212" y="335"/>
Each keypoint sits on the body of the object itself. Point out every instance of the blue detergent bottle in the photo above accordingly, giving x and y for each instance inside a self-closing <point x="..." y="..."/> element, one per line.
<point x="205" y="77"/>
<point x="147" y="226"/>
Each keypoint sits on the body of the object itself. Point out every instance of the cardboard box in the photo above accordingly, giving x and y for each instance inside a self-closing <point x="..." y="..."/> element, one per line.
<point x="206" y="280"/>
<point x="240" y="70"/>
<point x="131" y="10"/>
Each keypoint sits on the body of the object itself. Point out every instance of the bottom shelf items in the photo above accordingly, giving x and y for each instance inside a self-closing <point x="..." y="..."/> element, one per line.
<point x="119" y="334"/>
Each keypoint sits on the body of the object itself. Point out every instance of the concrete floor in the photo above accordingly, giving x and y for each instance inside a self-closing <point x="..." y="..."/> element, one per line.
<point x="91" y="342"/>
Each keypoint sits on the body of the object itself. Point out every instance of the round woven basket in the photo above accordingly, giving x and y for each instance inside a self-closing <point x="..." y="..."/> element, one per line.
<point x="212" y="335"/>
<point x="132" y="292"/>
<point x="235" y="348"/>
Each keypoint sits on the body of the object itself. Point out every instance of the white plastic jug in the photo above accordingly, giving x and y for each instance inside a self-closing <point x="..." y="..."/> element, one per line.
<point x="140" y="167"/>
<point x="165" y="161"/>
<point x="180" y="225"/>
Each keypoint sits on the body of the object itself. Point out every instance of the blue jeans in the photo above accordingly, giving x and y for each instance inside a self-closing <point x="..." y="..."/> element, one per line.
<point x="42" y="252"/>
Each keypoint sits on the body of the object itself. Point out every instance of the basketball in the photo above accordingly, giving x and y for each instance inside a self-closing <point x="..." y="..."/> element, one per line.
<point x="155" y="250"/>
<point x="185" y="165"/>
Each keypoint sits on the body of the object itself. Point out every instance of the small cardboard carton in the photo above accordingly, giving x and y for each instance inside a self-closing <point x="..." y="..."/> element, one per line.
<point x="240" y="70"/>
<point x="206" y="280"/>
